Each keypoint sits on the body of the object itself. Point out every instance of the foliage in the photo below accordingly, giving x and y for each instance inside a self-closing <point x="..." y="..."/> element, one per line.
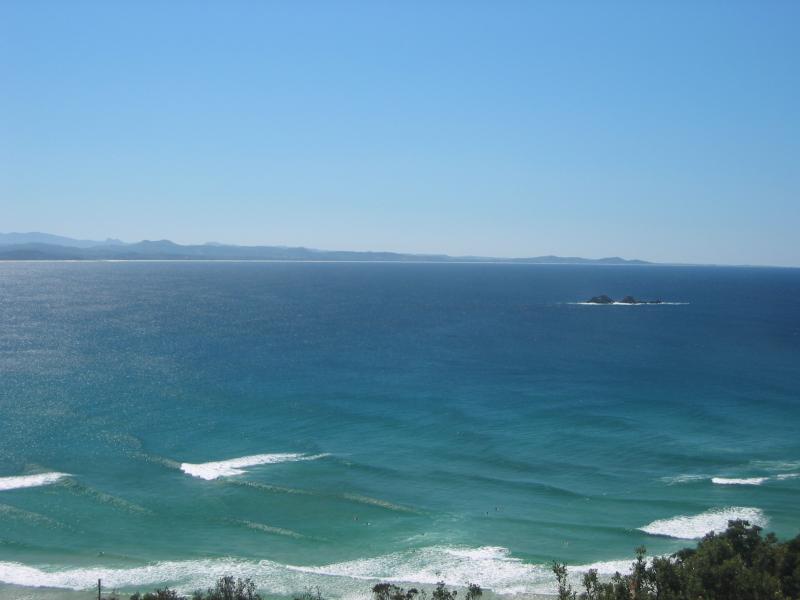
<point x="389" y="591"/>
<point x="310" y="594"/>
<point x="737" y="564"/>
<point x="441" y="592"/>
<point x="564" y="588"/>
<point x="474" y="592"/>
<point x="226" y="588"/>
<point x="164" y="594"/>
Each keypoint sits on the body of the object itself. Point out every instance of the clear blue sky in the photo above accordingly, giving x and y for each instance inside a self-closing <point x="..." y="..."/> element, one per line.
<point x="665" y="131"/>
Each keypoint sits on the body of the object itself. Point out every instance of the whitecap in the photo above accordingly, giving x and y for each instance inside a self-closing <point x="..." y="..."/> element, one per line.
<point x="236" y="466"/>
<point x="690" y="527"/>
<point x="678" y="479"/>
<point x="172" y="572"/>
<point x="739" y="481"/>
<point x="491" y="567"/>
<point x="628" y="303"/>
<point x="26" y="481"/>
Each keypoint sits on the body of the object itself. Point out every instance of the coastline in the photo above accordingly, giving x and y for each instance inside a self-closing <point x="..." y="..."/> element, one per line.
<point x="22" y="592"/>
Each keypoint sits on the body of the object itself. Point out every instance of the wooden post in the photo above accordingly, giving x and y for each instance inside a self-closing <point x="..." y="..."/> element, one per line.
<point x="98" y="589"/>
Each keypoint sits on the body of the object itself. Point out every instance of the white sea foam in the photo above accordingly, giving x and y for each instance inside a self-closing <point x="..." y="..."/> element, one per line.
<point x="776" y="465"/>
<point x="490" y="567"/>
<point x="175" y="572"/>
<point x="677" y="479"/>
<point x="606" y="567"/>
<point x="629" y="303"/>
<point x="690" y="527"/>
<point x="739" y="481"/>
<point x="26" y="481"/>
<point x="236" y="466"/>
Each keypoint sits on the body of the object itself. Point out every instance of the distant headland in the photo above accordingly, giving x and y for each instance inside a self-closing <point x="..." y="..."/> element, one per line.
<point x="45" y="246"/>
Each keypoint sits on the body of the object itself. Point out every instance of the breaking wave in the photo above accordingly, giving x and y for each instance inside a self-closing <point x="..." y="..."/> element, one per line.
<point x="490" y="567"/>
<point x="236" y="466"/>
<point x="26" y="481"/>
<point x="691" y="527"/>
<point x="739" y="481"/>
<point x="677" y="479"/>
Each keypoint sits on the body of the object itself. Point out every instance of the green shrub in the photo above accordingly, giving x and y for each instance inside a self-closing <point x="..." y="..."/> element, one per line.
<point x="389" y="591"/>
<point x="310" y="594"/>
<point x="737" y="564"/>
<point x="164" y="594"/>
<point x="228" y="588"/>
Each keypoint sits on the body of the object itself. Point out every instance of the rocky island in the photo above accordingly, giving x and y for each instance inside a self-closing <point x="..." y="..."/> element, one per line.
<point x="603" y="299"/>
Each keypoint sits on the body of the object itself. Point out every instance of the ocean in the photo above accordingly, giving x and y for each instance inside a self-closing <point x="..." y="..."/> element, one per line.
<point x="332" y="425"/>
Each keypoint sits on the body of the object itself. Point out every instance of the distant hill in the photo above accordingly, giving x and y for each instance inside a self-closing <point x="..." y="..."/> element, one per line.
<point x="35" y="237"/>
<point x="43" y="246"/>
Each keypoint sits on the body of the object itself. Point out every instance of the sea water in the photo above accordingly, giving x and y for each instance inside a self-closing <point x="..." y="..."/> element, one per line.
<point x="338" y="424"/>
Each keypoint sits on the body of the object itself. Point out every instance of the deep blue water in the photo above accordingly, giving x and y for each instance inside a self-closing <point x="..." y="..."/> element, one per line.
<point x="444" y="421"/>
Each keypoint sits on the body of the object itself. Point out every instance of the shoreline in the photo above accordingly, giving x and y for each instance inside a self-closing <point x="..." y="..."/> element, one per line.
<point x="25" y="592"/>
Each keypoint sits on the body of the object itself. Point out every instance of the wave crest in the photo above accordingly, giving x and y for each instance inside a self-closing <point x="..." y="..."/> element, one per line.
<point x="18" y="514"/>
<point x="677" y="479"/>
<point x="26" y="481"/>
<point x="235" y="466"/>
<point x="493" y="568"/>
<point x="739" y="481"/>
<point x="691" y="527"/>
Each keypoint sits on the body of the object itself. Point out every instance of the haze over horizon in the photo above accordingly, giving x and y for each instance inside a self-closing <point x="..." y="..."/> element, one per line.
<point x="32" y="241"/>
<point x="662" y="132"/>
<point x="37" y="245"/>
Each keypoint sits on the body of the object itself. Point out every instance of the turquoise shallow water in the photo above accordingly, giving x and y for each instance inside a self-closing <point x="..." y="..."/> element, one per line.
<point x="419" y="421"/>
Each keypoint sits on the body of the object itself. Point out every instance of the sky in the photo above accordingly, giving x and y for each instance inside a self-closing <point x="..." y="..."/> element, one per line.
<point x="665" y="131"/>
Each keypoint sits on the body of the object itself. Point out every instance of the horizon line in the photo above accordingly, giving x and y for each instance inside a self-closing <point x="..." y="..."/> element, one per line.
<point x="453" y="258"/>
